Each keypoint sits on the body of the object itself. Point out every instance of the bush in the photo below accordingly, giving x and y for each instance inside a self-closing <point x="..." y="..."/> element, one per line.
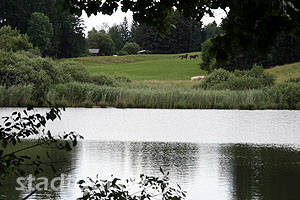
<point x="101" y="79"/>
<point x="131" y="48"/>
<point x="19" y="69"/>
<point x="123" y="53"/>
<point x="239" y="83"/>
<point x="123" y="79"/>
<point x="12" y="40"/>
<point x="72" y="71"/>
<point x="216" y="77"/>
<point x="219" y="79"/>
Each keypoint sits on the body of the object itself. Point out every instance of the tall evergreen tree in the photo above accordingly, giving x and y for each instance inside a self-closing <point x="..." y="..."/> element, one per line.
<point x="125" y="30"/>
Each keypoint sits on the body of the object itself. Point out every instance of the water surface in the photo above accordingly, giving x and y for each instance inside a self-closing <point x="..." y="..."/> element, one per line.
<point x="213" y="154"/>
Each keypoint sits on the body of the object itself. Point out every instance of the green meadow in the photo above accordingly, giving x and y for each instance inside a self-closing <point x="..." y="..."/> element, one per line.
<point x="285" y="72"/>
<point x="168" y="67"/>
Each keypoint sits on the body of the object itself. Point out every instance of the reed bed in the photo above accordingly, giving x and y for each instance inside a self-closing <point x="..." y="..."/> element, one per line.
<point x="16" y="96"/>
<point x="146" y="96"/>
<point x="139" y="96"/>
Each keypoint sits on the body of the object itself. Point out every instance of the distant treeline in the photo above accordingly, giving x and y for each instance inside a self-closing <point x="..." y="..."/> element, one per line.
<point x="187" y="35"/>
<point x="53" y="30"/>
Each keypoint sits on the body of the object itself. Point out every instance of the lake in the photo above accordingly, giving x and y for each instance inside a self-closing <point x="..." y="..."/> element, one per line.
<point x="212" y="154"/>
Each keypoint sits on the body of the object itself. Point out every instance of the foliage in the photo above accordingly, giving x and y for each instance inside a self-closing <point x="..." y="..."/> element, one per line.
<point x="115" y="34"/>
<point x="239" y="83"/>
<point x="253" y="24"/>
<point x="101" y="41"/>
<point x="72" y="71"/>
<point x="150" y="187"/>
<point x="207" y="62"/>
<point x="19" y="69"/>
<point x="23" y="125"/>
<point x="286" y="49"/>
<point x="216" y="77"/>
<point x="131" y="48"/>
<point x="122" y="53"/>
<point x="124" y="31"/>
<point x="255" y="78"/>
<point x="101" y="79"/>
<point x="68" y="30"/>
<point x="40" y="31"/>
<point x="12" y="40"/>
<point x="123" y="79"/>
<point x="186" y="36"/>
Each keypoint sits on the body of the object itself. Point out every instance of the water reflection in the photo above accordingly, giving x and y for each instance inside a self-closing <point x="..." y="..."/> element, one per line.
<point x="206" y="171"/>
<point x="262" y="172"/>
<point x="61" y="160"/>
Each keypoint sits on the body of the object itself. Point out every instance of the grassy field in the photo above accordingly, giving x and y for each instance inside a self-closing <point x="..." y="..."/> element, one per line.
<point x="159" y="81"/>
<point x="285" y="72"/>
<point x="167" y="69"/>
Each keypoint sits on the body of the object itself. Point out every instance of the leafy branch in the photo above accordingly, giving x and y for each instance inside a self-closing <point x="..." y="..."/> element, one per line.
<point x="27" y="124"/>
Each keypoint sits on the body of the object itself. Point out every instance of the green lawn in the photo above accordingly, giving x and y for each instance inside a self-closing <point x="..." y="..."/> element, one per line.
<point x="285" y="72"/>
<point x="144" y="67"/>
<point x="164" y="69"/>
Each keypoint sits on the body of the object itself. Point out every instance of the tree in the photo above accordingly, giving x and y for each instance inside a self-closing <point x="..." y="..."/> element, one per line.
<point x="186" y="36"/>
<point x="125" y="31"/>
<point x="115" y="34"/>
<point x="101" y="41"/>
<point x="40" y="31"/>
<point x="254" y="24"/>
<point x="68" y="30"/>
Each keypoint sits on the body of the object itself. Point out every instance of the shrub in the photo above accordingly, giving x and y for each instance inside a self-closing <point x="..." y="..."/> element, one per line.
<point x="239" y="83"/>
<point x="255" y="78"/>
<point x="19" y="69"/>
<point x="12" y="40"/>
<point x="216" y="77"/>
<point x="101" y="79"/>
<point x="131" y="48"/>
<point x="258" y="72"/>
<point x="123" y="53"/>
<point x="123" y="79"/>
<point x="72" y="71"/>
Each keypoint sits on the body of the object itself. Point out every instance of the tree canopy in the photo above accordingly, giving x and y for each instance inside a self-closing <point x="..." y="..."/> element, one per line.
<point x="254" y="24"/>
<point x="67" y="38"/>
<point x="40" y="31"/>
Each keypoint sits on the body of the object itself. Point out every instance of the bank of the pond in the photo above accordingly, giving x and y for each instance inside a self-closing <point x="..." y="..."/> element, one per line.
<point x="150" y="96"/>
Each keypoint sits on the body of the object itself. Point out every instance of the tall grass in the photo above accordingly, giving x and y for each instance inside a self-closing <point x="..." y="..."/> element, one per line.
<point x="15" y="96"/>
<point x="76" y="94"/>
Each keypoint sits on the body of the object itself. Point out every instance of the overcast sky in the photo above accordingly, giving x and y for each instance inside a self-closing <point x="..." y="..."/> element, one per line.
<point x="100" y="20"/>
